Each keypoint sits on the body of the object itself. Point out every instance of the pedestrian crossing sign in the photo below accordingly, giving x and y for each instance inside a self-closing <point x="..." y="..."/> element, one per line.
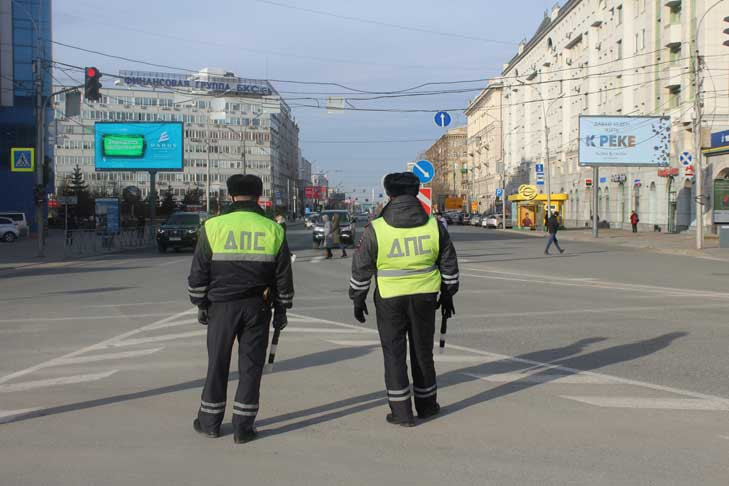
<point x="22" y="159"/>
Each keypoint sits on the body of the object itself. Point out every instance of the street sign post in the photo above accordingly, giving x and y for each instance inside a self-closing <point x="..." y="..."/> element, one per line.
<point x="686" y="159"/>
<point x="499" y="192"/>
<point x="442" y="119"/>
<point x="424" y="170"/>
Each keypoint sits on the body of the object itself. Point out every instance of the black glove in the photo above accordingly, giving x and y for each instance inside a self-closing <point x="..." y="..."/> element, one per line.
<point x="279" y="318"/>
<point x="202" y="316"/>
<point x="446" y="304"/>
<point x="360" y="309"/>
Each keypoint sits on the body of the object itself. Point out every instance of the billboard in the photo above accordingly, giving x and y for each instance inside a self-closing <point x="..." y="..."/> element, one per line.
<point x="139" y="146"/>
<point x="315" y="192"/>
<point x="107" y="215"/>
<point x="624" y="140"/>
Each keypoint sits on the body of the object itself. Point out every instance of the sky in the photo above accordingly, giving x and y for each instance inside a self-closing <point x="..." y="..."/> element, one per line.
<point x="372" y="46"/>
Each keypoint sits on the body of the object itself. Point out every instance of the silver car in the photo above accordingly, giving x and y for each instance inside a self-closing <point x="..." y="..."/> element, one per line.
<point x="9" y="231"/>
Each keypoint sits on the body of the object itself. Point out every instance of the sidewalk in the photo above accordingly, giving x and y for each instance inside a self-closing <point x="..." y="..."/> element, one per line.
<point x="24" y="252"/>
<point x="666" y="243"/>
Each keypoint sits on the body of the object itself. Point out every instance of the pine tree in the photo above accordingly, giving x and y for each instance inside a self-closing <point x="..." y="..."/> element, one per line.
<point x="77" y="184"/>
<point x="168" y="202"/>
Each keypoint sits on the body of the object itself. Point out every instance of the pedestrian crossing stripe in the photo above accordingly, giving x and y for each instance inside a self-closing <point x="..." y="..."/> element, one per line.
<point x="22" y="159"/>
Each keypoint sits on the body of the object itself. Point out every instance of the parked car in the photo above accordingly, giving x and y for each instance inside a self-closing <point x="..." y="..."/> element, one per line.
<point x="346" y="226"/>
<point x="476" y="219"/>
<point x="465" y="218"/>
<point x="309" y="219"/>
<point x="494" y="221"/>
<point x="9" y="231"/>
<point x="18" y="218"/>
<point x="180" y="231"/>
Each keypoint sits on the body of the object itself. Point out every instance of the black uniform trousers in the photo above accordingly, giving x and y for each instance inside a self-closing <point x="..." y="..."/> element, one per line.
<point x="247" y="320"/>
<point x="408" y="319"/>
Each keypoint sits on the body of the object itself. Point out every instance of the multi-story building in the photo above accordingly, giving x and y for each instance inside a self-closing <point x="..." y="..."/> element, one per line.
<point x="448" y="155"/>
<point x="485" y="147"/>
<point x="304" y="180"/>
<point x="615" y="57"/>
<point x="235" y="125"/>
<point x="25" y="36"/>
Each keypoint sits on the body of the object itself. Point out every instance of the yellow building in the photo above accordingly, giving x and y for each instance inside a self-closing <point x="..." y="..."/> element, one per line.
<point x="530" y="208"/>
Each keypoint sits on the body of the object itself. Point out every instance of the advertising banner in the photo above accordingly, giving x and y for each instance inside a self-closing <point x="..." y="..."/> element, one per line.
<point x="721" y="201"/>
<point x="624" y="141"/>
<point x="139" y="146"/>
<point x="107" y="215"/>
<point x="315" y="192"/>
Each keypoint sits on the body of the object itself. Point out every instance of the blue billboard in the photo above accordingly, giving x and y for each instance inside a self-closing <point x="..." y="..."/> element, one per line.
<point x="139" y="146"/>
<point x="624" y="140"/>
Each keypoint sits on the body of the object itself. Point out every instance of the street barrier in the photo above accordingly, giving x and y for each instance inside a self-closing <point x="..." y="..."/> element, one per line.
<point x="79" y="243"/>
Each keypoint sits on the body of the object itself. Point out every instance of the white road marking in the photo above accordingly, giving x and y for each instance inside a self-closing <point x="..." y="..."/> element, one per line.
<point x="83" y="318"/>
<point x="607" y="310"/>
<point x="334" y="323"/>
<point x="323" y="330"/>
<point x="548" y="366"/>
<point x="134" y="304"/>
<point x="653" y="403"/>
<point x="353" y="343"/>
<point x="11" y="415"/>
<point x="100" y="345"/>
<point x="599" y="284"/>
<point x="107" y="357"/>
<point x="317" y="259"/>
<point x="156" y="339"/>
<point x="538" y="377"/>
<point x="172" y="262"/>
<point x="166" y="325"/>
<point x="63" y="380"/>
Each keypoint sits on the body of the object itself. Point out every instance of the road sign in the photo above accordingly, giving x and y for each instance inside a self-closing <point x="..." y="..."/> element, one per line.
<point x="67" y="200"/>
<point x="22" y="159"/>
<point x="540" y="168"/>
<point x="588" y="182"/>
<point x="686" y="158"/>
<point x="720" y="139"/>
<point x="442" y="119"/>
<point x="424" y="198"/>
<point x="499" y="192"/>
<point x="424" y="170"/>
<point x="540" y="182"/>
<point x="603" y="180"/>
<point x="689" y="171"/>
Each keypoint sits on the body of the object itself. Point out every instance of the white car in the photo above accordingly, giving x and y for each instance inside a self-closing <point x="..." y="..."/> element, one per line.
<point x="9" y="231"/>
<point x="494" y="221"/>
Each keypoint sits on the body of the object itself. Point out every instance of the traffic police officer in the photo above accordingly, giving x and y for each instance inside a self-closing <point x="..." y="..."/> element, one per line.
<point x="413" y="259"/>
<point x="241" y="268"/>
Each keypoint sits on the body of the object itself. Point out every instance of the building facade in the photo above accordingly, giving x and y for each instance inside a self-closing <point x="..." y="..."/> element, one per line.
<point x="615" y="57"/>
<point x="25" y="36"/>
<point x="243" y="129"/>
<point x="449" y="157"/>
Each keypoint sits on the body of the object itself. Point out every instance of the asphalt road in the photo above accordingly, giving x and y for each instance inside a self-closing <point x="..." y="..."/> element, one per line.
<point x="599" y="366"/>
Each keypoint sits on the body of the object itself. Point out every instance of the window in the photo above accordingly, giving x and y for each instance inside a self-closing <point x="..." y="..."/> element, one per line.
<point x="620" y="15"/>
<point x="619" y="52"/>
<point x="674" y="97"/>
<point x="675" y="53"/>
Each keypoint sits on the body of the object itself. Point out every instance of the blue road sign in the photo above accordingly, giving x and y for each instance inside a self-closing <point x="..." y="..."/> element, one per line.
<point x="686" y="158"/>
<point x="540" y="168"/>
<point x="424" y="170"/>
<point x="22" y="159"/>
<point x="720" y="139"/>
<point x="442" y="119"/>
<point x="499" y="192"/>
<point x="540" y="182"/>
<point x="603" y="180"/>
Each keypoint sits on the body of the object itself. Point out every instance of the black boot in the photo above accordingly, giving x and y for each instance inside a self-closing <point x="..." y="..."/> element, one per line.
<point x="244" y="435"/>
<point x="212" y="434"/>
<point x="428" y="412"/>
<point x="402" y="422"/>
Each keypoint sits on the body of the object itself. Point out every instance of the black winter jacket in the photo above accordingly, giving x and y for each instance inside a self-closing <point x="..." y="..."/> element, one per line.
<point x="401" y="212"/>
<point x="224" y="281"/>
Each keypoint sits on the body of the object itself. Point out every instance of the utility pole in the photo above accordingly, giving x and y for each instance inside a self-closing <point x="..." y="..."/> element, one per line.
<point x="697" y="146"/>
<point x="39" y="192"/>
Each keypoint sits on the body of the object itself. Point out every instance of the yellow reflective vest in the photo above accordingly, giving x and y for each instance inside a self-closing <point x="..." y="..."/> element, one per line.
<point x="406" y="259"/>
<point x="244" y="236"/>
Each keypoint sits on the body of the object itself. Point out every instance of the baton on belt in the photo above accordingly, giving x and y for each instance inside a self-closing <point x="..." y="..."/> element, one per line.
<point x="443" y="330"/>
<point x="272" y="352"/>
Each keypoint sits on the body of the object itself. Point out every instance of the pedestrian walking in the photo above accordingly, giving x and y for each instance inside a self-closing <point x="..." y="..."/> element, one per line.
<point x="552" y="228"/>
<point x="412" y="258"/>
<point x="442" y="220"/>
<point x="337" y="234"/>
<point x="241" y="269"/>
<point x="634" y="221"/>
<point x="328" y="237"/>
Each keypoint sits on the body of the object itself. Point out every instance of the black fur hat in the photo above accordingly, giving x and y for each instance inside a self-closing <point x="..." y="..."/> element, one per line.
<point x="402" y="183"/>
<point x="245" y="185"/>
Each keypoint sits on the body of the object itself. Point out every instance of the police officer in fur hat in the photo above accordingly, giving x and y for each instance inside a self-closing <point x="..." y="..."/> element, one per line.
<point x="412" y="257"/>
<point x="240" y="271"/>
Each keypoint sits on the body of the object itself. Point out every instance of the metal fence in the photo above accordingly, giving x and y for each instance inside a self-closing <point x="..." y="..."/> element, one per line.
<point x="94" y="242"/>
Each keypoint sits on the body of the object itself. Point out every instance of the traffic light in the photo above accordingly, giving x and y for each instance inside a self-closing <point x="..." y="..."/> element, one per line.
<point x="726" y="31"/>
<point x="92" y="85"/>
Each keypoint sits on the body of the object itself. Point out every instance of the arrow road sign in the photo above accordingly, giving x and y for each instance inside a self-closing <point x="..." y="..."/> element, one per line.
<point x="442" y="119"/>
<point x="424" y="170"/>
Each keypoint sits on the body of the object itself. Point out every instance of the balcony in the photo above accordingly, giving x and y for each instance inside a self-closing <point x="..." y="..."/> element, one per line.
<point x="672" y="35"/>
<point x="672" y="76"/>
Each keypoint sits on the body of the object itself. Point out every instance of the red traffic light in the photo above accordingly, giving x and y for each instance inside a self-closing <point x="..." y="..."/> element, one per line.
<point x="91" y="72"/>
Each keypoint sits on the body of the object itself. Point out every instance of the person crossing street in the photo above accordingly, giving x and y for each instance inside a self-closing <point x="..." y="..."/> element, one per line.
<point x="412" y="258"/>
<point x="241" y="269"/>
